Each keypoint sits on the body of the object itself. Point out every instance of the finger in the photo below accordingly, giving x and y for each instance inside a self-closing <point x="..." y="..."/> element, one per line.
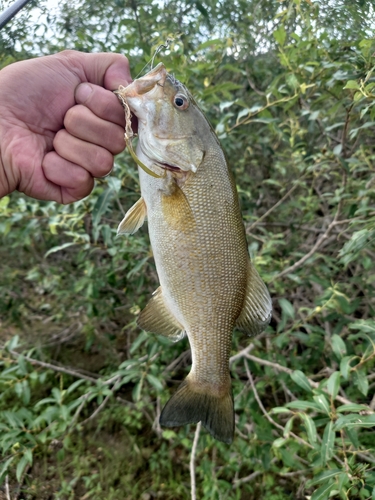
<point x="97" y="160"/>
<point x="105" y="69"/>
<point x="71" y="181"/>
<point x="83" y="124"/>
<point x="101" y="102"/>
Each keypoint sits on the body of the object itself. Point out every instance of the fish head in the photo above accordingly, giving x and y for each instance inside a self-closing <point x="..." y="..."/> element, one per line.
<point x="170" y="124"/>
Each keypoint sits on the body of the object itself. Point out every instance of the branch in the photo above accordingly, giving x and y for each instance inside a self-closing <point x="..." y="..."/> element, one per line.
<point x="192" y="462"/>
<point x="284" y="369"/>
<point x="247" y="479"/>
<point x="7" y="487"/>
<point x="293" y="188"/>
<point x="266" y="414"/>
<point x="55" y="368"/>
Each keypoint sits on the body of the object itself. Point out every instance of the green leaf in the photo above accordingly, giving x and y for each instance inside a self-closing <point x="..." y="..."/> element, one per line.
<point x="353" y="407"/>
<point x="59" y="248"/>
<point x="323" y="493"/>
<point x="142" y="337"/>
<point x="279" y="409"/>
<point x="367" y="421"/>
<point x="345" y="366"/>
<point x="323" y="476"/>
<point x="279" y="442"/>
<point x="114" y="183"/>
<point x="352" y="84"/>
<point x="328" y="441"/>
<point x="5" y="466"/>
<point x="333" y="384"/>
<point x="287" y="308"/>
<point x="362" y="381"/>
<point x="352" y="434"/>
<point x="12" y="343"/>
<point x="101" y="206"/>
<point x="22" y="464"/>
<point x="338" y="346"/>
<point x="304" y="405"/>
<point x="280" y="35"/>
<point x="310" y="427"/>
<point x="155" y="382"/>
<point x="321" y="400"/>
<point x="136" y="392"/>
<point x="288" y="427"/>
<point x="300" y="379"/>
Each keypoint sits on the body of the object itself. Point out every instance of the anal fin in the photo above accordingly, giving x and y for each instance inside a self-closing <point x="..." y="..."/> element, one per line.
<point x="257" y="309"/>
<point x="134" y="218"/>
<point x="157" y="318"/>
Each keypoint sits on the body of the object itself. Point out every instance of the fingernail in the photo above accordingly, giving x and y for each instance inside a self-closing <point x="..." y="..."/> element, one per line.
<point x="82" y="92"/>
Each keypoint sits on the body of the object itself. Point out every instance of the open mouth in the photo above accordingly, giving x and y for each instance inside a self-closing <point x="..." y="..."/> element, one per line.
<point x="170" y="167"/>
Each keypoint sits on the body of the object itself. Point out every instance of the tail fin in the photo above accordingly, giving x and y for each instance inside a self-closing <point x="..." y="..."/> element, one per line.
<point x="187" y="406"/>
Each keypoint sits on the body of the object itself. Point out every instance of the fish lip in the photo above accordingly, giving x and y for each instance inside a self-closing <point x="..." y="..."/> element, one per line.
<point x="147" y="83"/>
<point x="166" y="166"/>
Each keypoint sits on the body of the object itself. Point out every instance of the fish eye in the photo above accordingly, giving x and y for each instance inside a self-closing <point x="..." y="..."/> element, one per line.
<point x="180" y="101"/>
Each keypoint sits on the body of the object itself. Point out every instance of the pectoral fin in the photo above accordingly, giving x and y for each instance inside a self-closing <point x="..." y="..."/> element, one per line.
<point x="177" y="211"/>
<point x="157" y="318"/>
<point x="257" y="308"/>
<point x="134" y="218"/>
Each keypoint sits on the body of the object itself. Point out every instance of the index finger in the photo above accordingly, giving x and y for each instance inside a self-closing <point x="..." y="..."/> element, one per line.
<point x="103" y="103"/>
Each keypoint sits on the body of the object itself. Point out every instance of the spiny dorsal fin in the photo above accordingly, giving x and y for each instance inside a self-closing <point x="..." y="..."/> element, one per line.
<point x="257" y="308"/>
<point x="157" y="318"/>
<point x="189" y="406"/>
<point x="134" y="218"/>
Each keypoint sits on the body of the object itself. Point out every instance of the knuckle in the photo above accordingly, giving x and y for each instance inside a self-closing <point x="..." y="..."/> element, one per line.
<point x="59" y="139"/>
<point x="70" y="119"/>
<point x="103" y="162"/>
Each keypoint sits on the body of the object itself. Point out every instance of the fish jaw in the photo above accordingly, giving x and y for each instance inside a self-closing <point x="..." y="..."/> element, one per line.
<point x="151" y="84"/>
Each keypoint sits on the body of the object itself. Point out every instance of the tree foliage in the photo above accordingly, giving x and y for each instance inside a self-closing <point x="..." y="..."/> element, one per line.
<point x="289" y="88"/>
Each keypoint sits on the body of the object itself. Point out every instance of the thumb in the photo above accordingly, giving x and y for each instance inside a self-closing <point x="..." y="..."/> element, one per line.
<point x="107" y="69"/>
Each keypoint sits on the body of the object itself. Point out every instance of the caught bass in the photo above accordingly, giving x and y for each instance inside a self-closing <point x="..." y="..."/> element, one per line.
<point x="208" y="284"/>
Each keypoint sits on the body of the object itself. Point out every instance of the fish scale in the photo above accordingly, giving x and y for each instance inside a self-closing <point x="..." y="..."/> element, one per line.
<point x="208" y="284"/>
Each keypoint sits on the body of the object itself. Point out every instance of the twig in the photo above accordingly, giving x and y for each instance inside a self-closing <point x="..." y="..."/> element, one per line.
<point x="242" y="353"/>
<point x="265" y="412"/>
<point x="55" y="368"/>
<point x="318" y="243"/>
<point x="293" y="188"/>
<point x="104" y="402"/>
<point x="78" y="411"/>
<point x="282" y="368"/>
<point x="7" y="487"/>
<point x="247" y="479"/>
<point x="300" y="262"/>
<point x="192" y="462"/>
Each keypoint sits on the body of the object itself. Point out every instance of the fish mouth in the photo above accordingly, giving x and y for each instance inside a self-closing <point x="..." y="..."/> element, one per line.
<point x="145" y="84"/>
<point x="171" y="168"/>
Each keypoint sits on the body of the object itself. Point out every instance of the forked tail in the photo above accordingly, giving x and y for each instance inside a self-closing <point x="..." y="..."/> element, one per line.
<point x="188" y="406"/>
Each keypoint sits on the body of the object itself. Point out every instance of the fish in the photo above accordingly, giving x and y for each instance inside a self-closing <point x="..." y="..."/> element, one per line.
<point x="208" y="284"/>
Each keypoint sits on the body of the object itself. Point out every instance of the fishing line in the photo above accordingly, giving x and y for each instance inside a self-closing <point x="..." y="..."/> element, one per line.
<point x="159" y="48"/>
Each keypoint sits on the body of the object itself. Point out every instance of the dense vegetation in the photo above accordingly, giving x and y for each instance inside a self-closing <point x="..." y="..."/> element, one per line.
<point x="289" y="87"/>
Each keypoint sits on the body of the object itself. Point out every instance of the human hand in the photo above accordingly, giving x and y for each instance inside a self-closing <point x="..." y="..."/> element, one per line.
<point x="59" y="126"/>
